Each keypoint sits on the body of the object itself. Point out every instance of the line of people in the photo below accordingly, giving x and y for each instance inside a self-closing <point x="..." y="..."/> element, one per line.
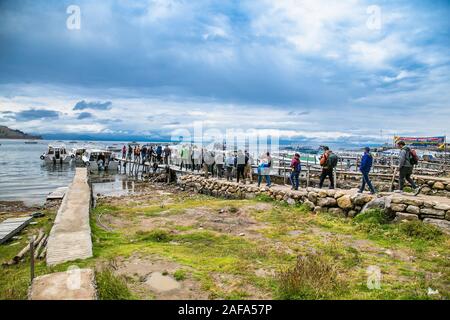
<point x="145" y="153"/>
<point x="239" y="165"/>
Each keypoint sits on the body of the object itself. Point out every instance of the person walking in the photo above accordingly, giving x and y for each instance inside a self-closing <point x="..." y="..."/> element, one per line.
<point x="248" y="166"/>
<point x="219" y="159"/>
<point x="328" y="161"/>
<point x="229" y="162"/>
<point x="407" y="160"/>
<point x="241" y="160"/>
<point x="364" y="167"/>
<point x="296" y="167"/>
<point x="264" y="169"/>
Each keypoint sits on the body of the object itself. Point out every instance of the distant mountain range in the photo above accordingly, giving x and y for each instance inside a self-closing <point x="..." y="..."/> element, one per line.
<point x="7" y="133"/>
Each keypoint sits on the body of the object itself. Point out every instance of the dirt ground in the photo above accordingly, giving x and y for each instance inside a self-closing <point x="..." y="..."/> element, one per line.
<point x="205" y="239"/>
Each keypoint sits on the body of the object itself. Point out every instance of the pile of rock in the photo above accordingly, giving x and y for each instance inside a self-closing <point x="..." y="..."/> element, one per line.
<point x="337" y="202"/>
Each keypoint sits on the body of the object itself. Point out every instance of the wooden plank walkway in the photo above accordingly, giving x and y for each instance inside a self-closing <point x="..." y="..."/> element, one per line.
<point x="12" y="226"/>
<point x="57" y="194"/>
<point x="70" y="237"/>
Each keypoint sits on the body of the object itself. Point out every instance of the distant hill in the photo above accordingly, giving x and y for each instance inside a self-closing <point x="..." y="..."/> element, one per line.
<point x="7" y="133"/>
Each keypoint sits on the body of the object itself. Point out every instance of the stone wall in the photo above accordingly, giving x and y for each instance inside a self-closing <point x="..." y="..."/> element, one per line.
<point x="344" y="203"/>
<point x="431" y="185"/>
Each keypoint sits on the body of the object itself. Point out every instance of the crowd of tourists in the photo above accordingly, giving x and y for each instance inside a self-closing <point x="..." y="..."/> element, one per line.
<point x="240" y="164"/>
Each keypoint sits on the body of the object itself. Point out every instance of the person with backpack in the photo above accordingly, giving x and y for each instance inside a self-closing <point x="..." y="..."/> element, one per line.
<point x="407" y="159"/>
<point x="296" y="167"/>
<point x="328" y="161"/>
<point x="364" y="167"/>
<point x="264" y="169"/>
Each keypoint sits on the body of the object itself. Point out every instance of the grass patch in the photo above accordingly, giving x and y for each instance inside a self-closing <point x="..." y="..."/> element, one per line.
<point x="112" y="287"/>
<point x="420" y="230"/>
<point x="179" y="275"/>
<point x="157" y="235"/>
<point x="372" y="216"/>
<point x="264" y="198"/>
<point x="312" y="277"/>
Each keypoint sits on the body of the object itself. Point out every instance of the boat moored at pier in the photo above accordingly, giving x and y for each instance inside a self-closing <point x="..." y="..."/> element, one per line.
<point x="99" y="160"/>
<point x="57" y="154"/>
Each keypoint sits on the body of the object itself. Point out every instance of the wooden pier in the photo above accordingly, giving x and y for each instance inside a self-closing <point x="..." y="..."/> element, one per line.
<point x="10" y="227"/>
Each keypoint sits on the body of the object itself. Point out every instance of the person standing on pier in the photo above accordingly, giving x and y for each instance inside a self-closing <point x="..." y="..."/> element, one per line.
<point x="124" y="152"/>
<point x="144" y="154"/>
<point x="167" y="153"/>
<point x="130" y="152"/>
<point x="219" y="159"/>
<point x="159" y="152"/>
<point x="248" y="166"/>
<point x="296" y="167"/>
<point x="328" y="161"/>
<point x="407" y="160"/>
<point x="364" y="167"/>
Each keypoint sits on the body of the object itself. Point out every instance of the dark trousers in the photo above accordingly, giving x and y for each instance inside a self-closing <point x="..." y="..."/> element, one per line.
<point x="327" y="173"/>
<point x="294" y="179"/>
<point x="240" y="171"/>
<point x="405" y="173"/>
<point x="366" y="179"/>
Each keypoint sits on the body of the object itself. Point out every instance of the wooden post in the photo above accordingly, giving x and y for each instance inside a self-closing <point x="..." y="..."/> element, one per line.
<point x="335" y="178"/>
<point x="307" y="177"/>
<point x="284" y="169"/>
<point x="32" y="259"/>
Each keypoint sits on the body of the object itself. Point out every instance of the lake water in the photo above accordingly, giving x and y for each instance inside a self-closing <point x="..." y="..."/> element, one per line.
<point x="24" y="177"/>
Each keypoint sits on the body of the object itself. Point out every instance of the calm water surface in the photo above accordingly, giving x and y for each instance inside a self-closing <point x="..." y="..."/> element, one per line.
<point x="24" y="177"/>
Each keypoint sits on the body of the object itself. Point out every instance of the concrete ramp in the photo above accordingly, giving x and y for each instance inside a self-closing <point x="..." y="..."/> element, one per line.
<point x="70" y="237"/>
<point x="76" y="284"/>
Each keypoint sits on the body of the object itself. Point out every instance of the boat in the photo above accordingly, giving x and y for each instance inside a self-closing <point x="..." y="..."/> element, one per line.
<point x="57" y="154"/>
<point x="78" y="152"/>
<point x="30" y="142"/>
<point x="100" y="160"/>
<point x="114" y="148"/>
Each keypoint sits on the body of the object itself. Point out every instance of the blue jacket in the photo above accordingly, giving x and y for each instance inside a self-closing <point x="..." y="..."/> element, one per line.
<point x="366" y="162"/>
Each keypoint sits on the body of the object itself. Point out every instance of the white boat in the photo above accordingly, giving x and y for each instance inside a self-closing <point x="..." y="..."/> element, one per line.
<point x="79" y="152"/>
<point x="99" y="160"/>
<point x="57" y="154"/>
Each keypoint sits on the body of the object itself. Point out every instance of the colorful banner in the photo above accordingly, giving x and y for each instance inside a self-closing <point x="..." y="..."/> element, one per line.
<point x="421" y="141"/>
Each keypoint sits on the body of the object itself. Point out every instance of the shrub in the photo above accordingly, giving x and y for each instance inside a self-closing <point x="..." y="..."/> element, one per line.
<point x="111" y="287"/>
<point x="179" y="275"/>
<point x="312" y="277"/>
<point x="264" y="198"/>
<point x="372" y="216"/>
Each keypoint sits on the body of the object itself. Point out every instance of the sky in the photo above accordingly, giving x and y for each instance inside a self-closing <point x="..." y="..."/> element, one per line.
<point x="346" y="72"/>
